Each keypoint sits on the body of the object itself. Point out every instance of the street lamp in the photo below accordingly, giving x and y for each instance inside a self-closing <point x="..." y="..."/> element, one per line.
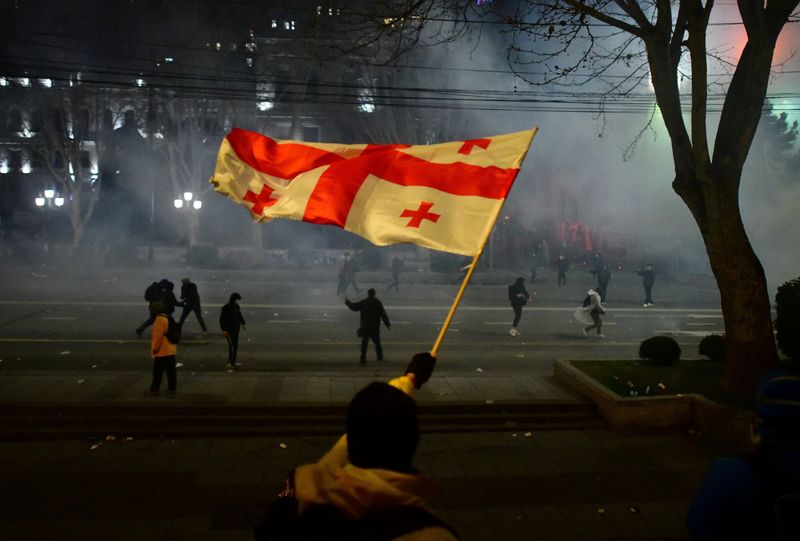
<point x="187" y="201"/>
<point x="48" y="200"/>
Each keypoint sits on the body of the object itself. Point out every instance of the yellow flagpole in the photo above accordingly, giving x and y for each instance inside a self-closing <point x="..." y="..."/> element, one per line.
<point x="460" y="294"/>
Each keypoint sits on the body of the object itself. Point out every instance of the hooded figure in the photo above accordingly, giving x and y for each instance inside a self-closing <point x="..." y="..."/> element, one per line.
<point x="230" y="320"/>
<point x="365" y="487"/>
<point x="588" y="315"/>
<point x="518" y="297"/>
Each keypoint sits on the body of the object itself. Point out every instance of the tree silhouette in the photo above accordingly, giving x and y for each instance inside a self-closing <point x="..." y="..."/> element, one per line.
<point x="622" y="44"/>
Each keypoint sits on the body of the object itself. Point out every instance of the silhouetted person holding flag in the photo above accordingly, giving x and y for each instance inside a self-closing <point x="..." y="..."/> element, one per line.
<point x="365" y="487"/>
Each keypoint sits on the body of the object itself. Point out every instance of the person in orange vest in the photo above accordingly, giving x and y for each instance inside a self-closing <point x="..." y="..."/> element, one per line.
<point x="163" y="352"/>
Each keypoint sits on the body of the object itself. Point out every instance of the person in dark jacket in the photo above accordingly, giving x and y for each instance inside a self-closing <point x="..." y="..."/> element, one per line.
<point x="161" y="299"/>
<point x="365" y="487"/>
<point x="603" y="274"/>
<point x="648" y="281"/>
<point x="755" y="496"/>
<point x="191" y="303"/>
<point x="562" y="264"/>
<point x="372" y="313"/>
<point x="230" y="321"/>
<point x="518" y="297"/>
<point x="168" y="298"/>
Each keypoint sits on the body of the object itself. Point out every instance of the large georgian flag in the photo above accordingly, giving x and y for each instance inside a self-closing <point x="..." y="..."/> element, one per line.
<point x="444" y="196"/>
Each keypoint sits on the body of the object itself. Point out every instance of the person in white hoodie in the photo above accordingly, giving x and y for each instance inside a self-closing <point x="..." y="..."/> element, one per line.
<point x="365" y="487"/>
<point x="588" y="315"/>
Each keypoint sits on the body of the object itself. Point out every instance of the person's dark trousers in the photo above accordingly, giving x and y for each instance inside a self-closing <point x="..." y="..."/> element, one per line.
<point x="146" y="323"/>
<point x="161" y="365"/>
<point x="376" y="339"/>
<point x="342" y="285"/>
<point x="648" y="292"/>
<point x="233" y="346"/>
<point x="197" y="311"/>
<point x="395" y="282"/>
<point x="602" y="290"/>
<point x="517" y="314"/>
<point x="562" y="279"/>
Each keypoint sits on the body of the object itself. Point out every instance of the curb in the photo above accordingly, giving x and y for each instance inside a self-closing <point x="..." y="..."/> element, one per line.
<point x="80" y="421"/>
<point x="726" y="426"/>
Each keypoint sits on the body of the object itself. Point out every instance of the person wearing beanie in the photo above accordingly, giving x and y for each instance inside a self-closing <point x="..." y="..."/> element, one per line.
<point x="366" y="486"/>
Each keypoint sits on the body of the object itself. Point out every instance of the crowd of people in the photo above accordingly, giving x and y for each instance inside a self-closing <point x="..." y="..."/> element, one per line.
<point x="162" y="303"/>
<point x="166" y="332"/>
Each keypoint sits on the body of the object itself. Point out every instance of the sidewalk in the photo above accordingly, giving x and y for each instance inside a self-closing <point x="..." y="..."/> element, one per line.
<point x="514" y="483"/>
<point x="544" y="485"/>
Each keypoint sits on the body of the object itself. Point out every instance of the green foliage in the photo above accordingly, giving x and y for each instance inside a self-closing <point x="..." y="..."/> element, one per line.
<point x="713" y="347"/>
<point x="663" y="350"/>
<point x="787" y="324"/>
<point x="201" y="255"/>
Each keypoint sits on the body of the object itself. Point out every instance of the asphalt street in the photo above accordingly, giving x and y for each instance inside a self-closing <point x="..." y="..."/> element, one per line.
<point x="296" y="322"/>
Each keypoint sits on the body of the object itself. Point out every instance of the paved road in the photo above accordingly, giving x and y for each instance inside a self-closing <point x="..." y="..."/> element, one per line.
<point x="79" y="323"/>
<point x="52" y="335"/>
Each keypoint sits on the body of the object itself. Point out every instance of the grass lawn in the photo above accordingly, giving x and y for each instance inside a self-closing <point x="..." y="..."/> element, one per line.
<point x="643" y="378"/>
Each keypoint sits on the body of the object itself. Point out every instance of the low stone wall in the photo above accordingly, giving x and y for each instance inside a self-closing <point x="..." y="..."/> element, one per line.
<point x="728" y="427"/>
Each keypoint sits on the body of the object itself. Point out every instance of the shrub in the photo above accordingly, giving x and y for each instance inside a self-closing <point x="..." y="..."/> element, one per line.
<point x="661" y="350"/>
<point x="201" y="255"/>
<point x="713" y="347"/>
<point x="787" y="306"/>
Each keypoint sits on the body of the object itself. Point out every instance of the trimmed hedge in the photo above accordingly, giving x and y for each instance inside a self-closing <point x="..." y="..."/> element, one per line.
<point x="662" y="350"/>
<point x="713" y="347"/>
<point x="787" y="324"/>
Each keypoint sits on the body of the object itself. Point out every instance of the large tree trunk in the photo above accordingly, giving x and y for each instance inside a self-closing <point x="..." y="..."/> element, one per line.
<point x="750" y="341"/>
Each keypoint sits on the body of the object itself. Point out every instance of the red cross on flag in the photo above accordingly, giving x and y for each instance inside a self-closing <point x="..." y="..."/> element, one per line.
<point x="444" y="196"/>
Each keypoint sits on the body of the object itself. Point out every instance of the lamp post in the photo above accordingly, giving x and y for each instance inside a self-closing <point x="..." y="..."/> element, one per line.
<point x="48" y="200"/>
<point x="188" y="202"/>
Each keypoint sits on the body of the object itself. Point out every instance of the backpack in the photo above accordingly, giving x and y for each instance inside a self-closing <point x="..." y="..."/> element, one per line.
<point x="174" y="332"/>
<point x="153" y="292"/>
